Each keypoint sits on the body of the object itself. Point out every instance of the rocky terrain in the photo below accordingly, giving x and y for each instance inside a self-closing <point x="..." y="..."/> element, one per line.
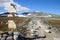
<point x="22" y="27"/>
<point x="54" y="35"/>
<point x="31" y="28"/>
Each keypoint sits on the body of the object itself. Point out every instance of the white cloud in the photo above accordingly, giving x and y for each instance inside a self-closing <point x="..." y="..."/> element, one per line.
<point x="8" y="7"/>
<point x="4" y="1"/>
<point x="20" y="8"/>
<point x="37" y="11"/>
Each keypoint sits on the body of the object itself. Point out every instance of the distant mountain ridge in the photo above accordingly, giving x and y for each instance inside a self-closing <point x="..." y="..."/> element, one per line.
<point x="31" y="14"/>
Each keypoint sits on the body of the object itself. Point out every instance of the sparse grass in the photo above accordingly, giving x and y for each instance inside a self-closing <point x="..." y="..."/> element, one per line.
<point x="4" y="27"/>
<point x="55" y="23"/>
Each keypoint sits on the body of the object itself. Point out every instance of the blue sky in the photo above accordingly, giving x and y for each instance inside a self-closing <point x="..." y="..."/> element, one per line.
<point x="49" y="6"/>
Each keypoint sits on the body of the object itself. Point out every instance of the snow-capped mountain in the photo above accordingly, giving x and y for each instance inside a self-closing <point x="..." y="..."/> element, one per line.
<point x="29" y="14"/>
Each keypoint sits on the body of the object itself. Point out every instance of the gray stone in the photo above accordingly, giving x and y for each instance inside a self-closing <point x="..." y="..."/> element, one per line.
<point x="3" y="38"/>
<point x="4" y="35"/>
<point x="9" y="38"/>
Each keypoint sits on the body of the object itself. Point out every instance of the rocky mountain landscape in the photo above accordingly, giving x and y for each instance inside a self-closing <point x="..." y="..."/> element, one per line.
<point x="46" y="26"/>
